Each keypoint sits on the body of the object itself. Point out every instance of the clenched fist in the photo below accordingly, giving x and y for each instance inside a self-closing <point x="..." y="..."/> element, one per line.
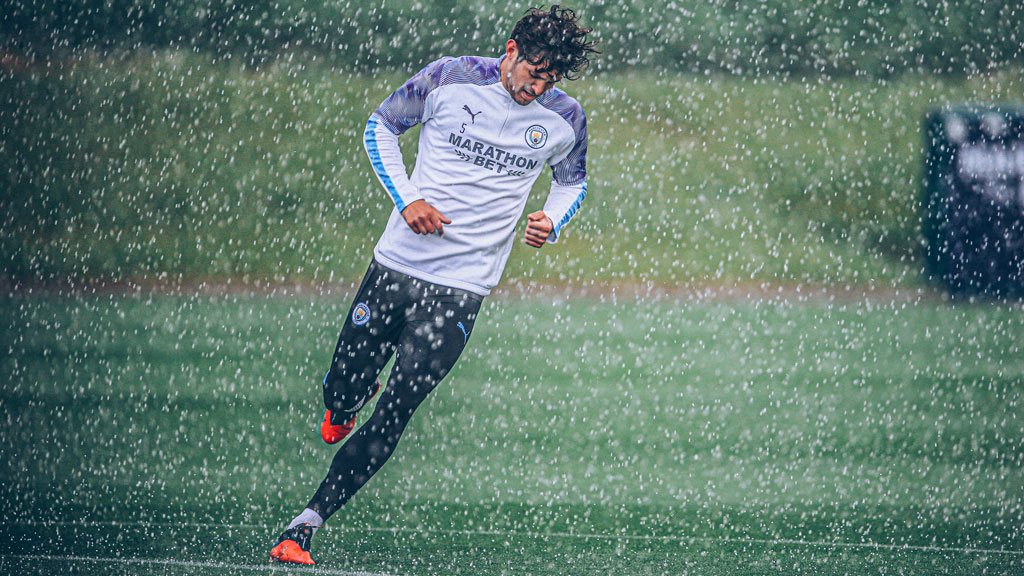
<point x="538" y="228"/>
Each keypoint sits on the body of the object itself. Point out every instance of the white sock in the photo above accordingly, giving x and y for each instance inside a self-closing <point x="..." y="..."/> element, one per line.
<point x="308" y="517"/>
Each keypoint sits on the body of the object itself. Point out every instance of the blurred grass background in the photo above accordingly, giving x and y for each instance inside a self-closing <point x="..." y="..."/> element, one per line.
<point x="875" y="38"/>
<point x="168" y="165"/>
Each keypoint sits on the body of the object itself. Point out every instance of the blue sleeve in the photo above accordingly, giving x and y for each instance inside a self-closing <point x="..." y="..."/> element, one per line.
<point x="569" y="175"/>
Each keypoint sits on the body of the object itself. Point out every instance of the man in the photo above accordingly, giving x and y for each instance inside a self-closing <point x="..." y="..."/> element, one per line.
<point x="489" y="125"/>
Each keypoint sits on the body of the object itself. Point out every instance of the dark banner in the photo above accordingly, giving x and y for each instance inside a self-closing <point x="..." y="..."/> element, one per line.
<point x="974" y="199"/>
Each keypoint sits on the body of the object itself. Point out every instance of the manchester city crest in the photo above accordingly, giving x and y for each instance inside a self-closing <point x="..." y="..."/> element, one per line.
<point x="536" y="136"/>
<point x="361" y="314"/>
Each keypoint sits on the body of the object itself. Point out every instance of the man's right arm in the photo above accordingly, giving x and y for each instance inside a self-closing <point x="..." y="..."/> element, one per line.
<point x="402" y="110"/>
<point x="386" y="158"/>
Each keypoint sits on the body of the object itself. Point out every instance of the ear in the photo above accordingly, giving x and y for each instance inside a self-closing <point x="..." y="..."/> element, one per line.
<point x="511" y="50"/>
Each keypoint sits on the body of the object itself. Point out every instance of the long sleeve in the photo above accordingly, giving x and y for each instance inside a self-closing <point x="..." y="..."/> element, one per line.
<point x="386" y="157"/>
<point x="569" y="178"/>
<point x="400" y="111"/>
<point x="562" y="204"/>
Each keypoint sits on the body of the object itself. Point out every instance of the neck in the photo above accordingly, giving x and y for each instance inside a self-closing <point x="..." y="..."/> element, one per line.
<point x="504" y="69"/>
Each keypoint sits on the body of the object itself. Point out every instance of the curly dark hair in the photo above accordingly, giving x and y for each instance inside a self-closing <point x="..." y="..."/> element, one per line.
<point x="555" y="40"/>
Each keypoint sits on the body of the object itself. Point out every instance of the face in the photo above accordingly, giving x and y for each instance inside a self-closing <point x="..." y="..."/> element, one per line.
<point x="524" y="81"/>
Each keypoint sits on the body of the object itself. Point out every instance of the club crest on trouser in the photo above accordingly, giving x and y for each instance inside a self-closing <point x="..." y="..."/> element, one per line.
<point x="536" y="136"/>
<point x="361" y="314"/>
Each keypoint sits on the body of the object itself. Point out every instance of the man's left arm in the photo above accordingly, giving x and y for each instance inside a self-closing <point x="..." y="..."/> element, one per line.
<point x="568" y="190"/>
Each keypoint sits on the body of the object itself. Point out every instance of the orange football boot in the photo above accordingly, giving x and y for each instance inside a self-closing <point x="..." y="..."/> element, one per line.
<point x="331" y="433"/>
<point x="293" y="546"/>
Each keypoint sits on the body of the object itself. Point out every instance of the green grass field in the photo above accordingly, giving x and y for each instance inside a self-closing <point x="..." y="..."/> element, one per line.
<point x="175" y="165"/>
<point x="176" y="435"/>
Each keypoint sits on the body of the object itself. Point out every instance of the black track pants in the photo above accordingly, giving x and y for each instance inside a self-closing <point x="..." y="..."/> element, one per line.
<point x="427" y="326"/>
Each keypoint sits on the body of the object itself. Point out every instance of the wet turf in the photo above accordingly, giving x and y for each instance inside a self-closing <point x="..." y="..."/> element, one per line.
<point x="575" y="437"/>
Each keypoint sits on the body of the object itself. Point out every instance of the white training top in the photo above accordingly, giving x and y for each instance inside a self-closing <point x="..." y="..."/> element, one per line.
<point x="479" y="154"/>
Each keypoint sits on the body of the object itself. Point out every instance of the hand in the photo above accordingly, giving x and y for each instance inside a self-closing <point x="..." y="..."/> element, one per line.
<point x="424" y="218"/>
<point x="538" y="228"/>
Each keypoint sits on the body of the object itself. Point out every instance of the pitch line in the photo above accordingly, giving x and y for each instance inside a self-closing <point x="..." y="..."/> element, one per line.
<point x="568" y="535"/>
<point x="187" y="564"/>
